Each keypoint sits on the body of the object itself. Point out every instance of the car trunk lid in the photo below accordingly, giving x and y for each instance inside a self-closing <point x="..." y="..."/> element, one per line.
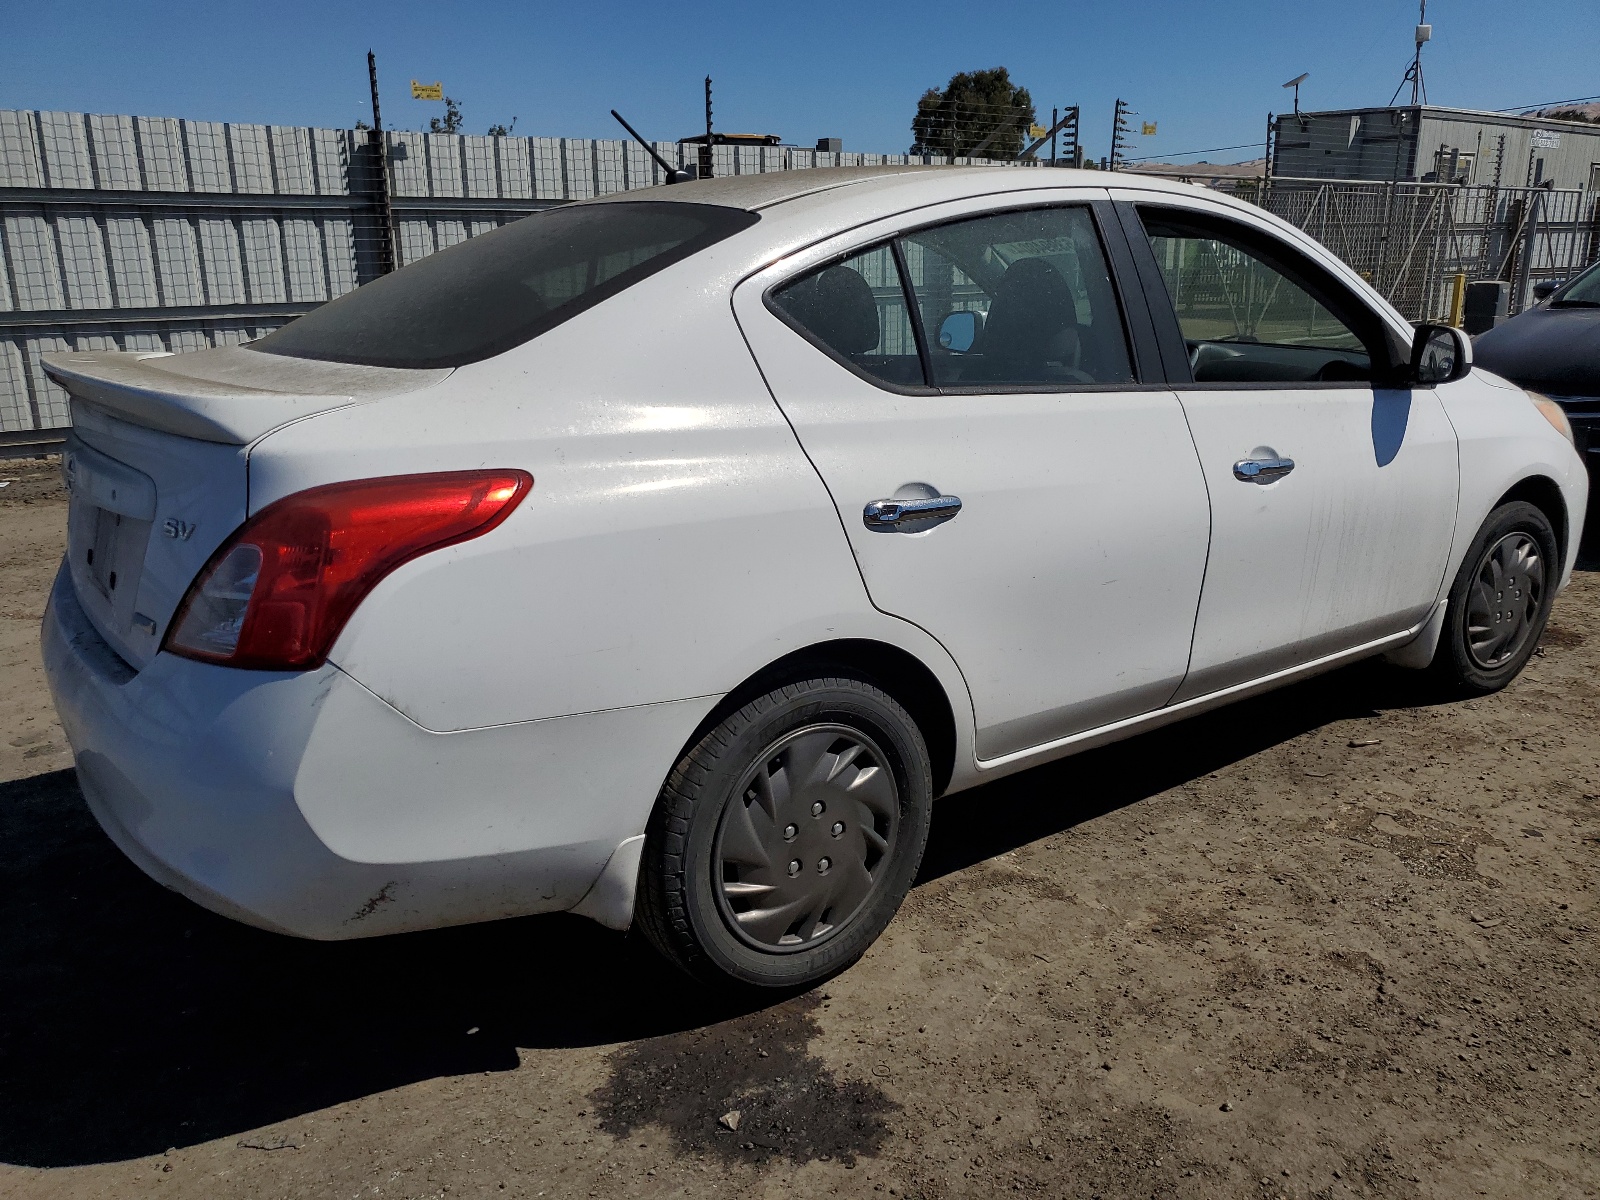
<point x="157" y="466"/>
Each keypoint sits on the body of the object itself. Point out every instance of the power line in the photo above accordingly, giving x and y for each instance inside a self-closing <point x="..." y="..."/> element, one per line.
<point x="1181" y="153"/>
<point x="1546" y="104"/>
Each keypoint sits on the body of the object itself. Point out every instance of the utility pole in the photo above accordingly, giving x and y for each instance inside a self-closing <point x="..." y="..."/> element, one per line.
<point x="386" y="238"/>
<point x="1119" y="133"/>
<point x="1055" y="122"/>
<point x="705" y="150"/>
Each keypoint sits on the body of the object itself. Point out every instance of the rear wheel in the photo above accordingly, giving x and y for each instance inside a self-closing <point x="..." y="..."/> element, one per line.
<point x="786" y="838"/>
<point x="1500" y="601"/>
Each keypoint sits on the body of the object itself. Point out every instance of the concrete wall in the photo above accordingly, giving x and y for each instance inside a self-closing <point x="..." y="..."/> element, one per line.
<point x="156" y="233"/>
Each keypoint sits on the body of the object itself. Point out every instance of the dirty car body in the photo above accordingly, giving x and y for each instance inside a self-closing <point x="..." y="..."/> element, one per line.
<point x="993" y="442"/>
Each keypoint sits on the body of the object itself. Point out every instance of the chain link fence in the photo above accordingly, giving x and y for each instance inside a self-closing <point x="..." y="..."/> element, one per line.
<point x="1411" y="240"/>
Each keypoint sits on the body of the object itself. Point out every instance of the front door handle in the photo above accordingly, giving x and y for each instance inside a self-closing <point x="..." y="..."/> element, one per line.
<point x="1262" y="470"/>
<point x="891" y="514"/>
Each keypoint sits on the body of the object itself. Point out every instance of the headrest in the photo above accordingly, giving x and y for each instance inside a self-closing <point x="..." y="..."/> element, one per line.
<point x="840" y="310"/>
<point x="1032" y="305"/>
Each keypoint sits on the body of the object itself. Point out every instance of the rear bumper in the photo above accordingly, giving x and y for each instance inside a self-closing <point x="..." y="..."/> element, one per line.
<point x="304" y="804"/>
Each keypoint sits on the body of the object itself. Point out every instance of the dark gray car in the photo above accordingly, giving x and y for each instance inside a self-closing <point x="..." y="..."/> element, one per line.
<point x="1555" y="349"/>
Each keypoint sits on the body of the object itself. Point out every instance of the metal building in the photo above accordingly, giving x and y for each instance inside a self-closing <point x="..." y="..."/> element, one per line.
<point x="1428" y="144"/>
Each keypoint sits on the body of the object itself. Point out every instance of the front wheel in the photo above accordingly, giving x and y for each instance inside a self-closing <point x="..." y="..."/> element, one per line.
<point x="786" y="838"/>
<point x="1500" y="601"/>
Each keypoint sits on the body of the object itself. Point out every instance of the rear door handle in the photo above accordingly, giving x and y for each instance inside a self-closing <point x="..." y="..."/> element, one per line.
<point x="891" y="514"/>
<point x="1262" y="470"/>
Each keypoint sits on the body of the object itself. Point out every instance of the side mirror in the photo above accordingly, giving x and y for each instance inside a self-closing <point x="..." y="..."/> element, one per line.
<point x="1440" y="354"/>
<point x="1546" y="288"/>
<point x="959" y="331"/>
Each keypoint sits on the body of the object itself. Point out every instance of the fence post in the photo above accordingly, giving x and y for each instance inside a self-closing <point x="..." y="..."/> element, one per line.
<point x="1458" y="298"/>
<point x="1383" y="237"/>
<point x="1592" y="253"/>
<point x="386" y="238"/>
<point x="1519" y="284"/>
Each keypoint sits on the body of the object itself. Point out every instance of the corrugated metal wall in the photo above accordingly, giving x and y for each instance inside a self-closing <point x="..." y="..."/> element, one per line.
<point x="155" y="233"/>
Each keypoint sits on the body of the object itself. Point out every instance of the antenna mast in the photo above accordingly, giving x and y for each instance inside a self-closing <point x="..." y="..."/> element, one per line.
<point x="1413" y="75"/>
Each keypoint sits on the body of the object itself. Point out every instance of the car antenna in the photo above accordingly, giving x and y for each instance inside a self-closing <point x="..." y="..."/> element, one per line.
<point x="674" y="174"/>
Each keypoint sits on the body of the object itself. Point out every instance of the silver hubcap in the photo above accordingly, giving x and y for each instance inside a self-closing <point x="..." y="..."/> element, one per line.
<point x="1504" y="599"/>
<point x="803" y="840"/>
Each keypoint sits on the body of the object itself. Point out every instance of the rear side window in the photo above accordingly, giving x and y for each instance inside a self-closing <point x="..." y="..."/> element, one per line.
<point x="1018" y="299"/>
<point x="484" y="296"/>
<point x="1013" y="300"/>
<point x="857" y="310"/>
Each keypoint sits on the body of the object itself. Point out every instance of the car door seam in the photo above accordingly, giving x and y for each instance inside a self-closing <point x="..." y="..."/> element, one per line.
<point x="1205" y="568"/>
<point x="839" y="516"/>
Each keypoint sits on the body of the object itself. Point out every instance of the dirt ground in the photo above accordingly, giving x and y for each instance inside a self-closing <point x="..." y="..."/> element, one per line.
<point x="1337" y="941"/>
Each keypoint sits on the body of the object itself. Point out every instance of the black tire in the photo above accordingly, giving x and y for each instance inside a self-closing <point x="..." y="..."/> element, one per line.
<point x="1490" y="631"/>
<point x="759" y="774"/>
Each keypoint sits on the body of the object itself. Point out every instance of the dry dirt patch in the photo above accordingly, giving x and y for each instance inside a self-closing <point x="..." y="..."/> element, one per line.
<point x="1339" y="941"/>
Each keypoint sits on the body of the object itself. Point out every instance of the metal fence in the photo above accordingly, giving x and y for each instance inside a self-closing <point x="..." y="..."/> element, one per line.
<point x="160" y="234"/>
<point x="1410" y="240"/>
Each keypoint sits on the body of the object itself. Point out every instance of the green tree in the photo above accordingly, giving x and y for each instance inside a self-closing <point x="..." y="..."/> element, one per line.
<point x="973" y="106"/>
<point x="450" y="122"/>
<point x="502" y="130"/>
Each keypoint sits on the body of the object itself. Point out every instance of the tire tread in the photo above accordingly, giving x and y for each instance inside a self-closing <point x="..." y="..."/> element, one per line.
<point x="662" y="910"/>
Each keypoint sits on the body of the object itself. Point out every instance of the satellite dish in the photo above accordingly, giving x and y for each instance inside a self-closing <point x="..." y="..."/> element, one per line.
<point x="1295" y="84"/>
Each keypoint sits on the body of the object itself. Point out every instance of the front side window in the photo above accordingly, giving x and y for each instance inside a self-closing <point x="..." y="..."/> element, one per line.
<point x="486" y="295"/>
<point x="1246" y="318"/>
<point x="1582" y="292"/>
<point x="1013" y="300"/>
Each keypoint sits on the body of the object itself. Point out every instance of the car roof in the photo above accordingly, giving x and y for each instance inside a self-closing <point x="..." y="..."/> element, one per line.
<point x="769" y="189"/>
<point x="801" y="207"/>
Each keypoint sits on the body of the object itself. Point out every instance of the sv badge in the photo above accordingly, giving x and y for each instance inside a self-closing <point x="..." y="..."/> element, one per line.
<point x="174" y="528"/>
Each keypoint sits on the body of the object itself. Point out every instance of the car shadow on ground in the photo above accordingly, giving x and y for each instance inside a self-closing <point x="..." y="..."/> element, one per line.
<point x="131" y="1020"/>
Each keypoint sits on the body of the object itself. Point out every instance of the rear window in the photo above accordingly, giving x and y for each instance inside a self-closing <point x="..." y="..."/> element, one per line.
<point x="501" y="289"/>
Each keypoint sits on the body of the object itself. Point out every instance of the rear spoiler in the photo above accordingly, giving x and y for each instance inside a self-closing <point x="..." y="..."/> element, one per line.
<point x="229" y="394"/>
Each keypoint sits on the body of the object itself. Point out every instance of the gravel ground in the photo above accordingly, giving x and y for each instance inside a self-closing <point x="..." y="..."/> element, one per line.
<point x="1337" y="941"/>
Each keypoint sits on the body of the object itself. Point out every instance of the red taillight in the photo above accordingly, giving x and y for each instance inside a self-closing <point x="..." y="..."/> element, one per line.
<point x="277" y="593"/>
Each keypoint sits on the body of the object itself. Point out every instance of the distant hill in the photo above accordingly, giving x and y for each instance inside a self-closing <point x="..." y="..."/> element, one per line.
<point x="1568" y="112"/>
<point x="1205" y="169"/>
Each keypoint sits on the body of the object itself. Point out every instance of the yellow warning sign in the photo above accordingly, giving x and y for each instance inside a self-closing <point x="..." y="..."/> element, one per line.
<point x="1147" y="129"/>
<point x="1037" y="131"/>
<point x="427" y="91"/>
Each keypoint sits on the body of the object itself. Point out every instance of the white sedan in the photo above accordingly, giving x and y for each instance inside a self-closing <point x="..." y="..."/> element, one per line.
<point x="661" y="558"/>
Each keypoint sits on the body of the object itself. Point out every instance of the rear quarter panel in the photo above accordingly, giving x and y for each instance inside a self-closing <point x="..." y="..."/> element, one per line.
<point x="676" y="539"/>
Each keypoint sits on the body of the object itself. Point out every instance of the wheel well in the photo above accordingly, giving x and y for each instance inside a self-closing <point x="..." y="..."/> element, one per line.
<point x="888" y="667"/>
<point x="1544" y="494"/>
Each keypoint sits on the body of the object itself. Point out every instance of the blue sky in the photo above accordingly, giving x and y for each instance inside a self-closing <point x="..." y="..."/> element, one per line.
<point x="1207" y="73"/>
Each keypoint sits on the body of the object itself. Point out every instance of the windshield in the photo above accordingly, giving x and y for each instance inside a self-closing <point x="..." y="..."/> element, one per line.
<point x="1585" y="289"/>
<point x="503" y="288"/>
